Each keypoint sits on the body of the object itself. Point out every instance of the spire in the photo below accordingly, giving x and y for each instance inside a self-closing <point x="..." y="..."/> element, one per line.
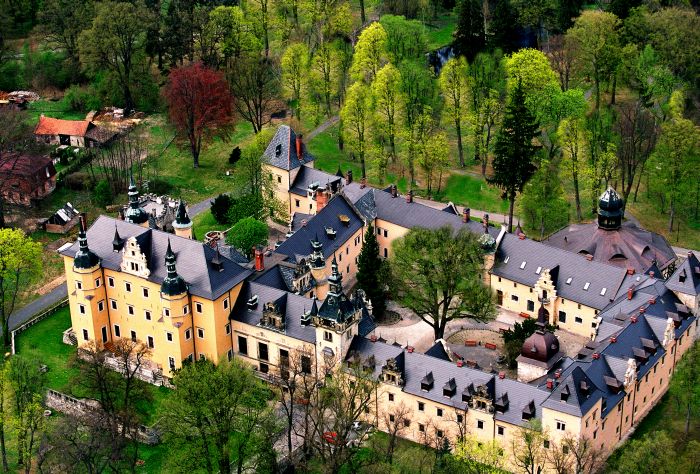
<point x="84" y="257"/>
<point x="173" y="284"/>
<point x="118" y="242"/>
<point x="135" y="213"/>
<point x="335" y="281"/>
<point x="182" y="218"/>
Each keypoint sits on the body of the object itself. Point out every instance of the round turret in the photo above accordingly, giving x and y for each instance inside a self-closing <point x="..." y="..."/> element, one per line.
<point x="173" y="284"/>
<point x="135" y="213"/>
<point x="84" y="257"/>
<point x="541" y="346"/>
<point x="610" y="210"/>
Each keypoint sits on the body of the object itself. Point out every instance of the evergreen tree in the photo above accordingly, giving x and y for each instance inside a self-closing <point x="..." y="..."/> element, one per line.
<point x="369" y="267"/>
<point x="470" y="37"/>
<point x="513" y="165"/>
<point x="503" y="27"/>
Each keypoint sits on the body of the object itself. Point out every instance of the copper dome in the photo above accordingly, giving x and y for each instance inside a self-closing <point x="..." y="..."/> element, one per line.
<point x="541" y="346"/>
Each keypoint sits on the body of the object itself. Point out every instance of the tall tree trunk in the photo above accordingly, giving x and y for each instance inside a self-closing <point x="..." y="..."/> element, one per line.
<point x="362" y="11"/>
<point x="460" y="148"/>
<point x="577" y="195"/>
<point x="510" y="213"/>
<point x="614" y="88"/>
<point x="672" y="211"/>
<point x="597" y="91"/>
<point x="362" y="161"/>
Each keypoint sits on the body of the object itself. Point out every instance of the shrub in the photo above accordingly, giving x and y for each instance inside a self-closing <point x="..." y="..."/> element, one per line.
<point x="220" y="208"/>
<point x="159" y="186"/>
<point x="235" y="155"/>
<point x="246" y="234"/>
<point x="103" y="193"/>
<point x="78" y="181"/>
<point x="248" y="205"/>
<point x="82" y="99"/>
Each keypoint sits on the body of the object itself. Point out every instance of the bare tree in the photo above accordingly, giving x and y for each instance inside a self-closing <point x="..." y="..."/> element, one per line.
<point x="562" y="56"/>
<point x="395" y="420"/>
<point x="585" y="457"/>
<point x="254" y="83"/>
<point x="527" y="448"/>
<point x="638" y="132"/>
<point x="116" y="162"/>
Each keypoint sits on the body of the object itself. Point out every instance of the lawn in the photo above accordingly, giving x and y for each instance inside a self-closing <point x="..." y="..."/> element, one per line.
<point x="204" y="222"/>
<point x="55" y="109"/>
<point x="472" y="191"/>
<point x="439" y="33"/>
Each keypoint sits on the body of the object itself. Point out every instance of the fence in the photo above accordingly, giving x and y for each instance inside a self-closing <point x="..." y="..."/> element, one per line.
<point x="40" y="317"/>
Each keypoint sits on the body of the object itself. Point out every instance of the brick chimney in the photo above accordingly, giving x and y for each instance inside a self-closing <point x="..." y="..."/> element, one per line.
<point x="394" y="191"/>
<point x="259" y="259"/>
<point x="630" y="292"/>
<point x="466" y="215"/>
<point x="300" y="146"/>
<point x="409" y="196"/>
<point x="321" y="199"/>
<point x="348" y="177"/>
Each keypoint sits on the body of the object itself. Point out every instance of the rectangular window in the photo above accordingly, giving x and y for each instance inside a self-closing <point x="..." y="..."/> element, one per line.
<point x="562" y="317"/>
<point x="101" y="305"/>
<point x="171" y="363"/>
<point x="186" y="309"/>
<point x="104" y="333"/>
<point x="386" y="252"/>
<point x="226" y="303"/>
<point x="439" y="412"/>
<point x="85" y="335"/>
<point x="188" y="334"/>
<point x="113" y="304"/>
<point x="144" y="292"/>
<point x="421" y="427"/>
<point x="200" y="333"/>
<point x="306" y="364"/>
<point x="480" y="424"/>
<point x="166" y="312"/>
<point x="501" y="430"/>
<point x="386" y="233"/>
<point x="391" y="397"/>
<point x="169" y="336"/>
<point x="421" y="406"/>
<point x="117" y="331"/>
<point x="530" y="305"/>
<point x="110" y="281"/>
<point x="440" y="434"/>
<point x="264" y="368"/>
<point x="561" y="426"/>
<point x="151" y="343"/>
<point x="297" y="202"/>
<point x="327" y="336"/>
<point x="262" y="351"/>
<point x="242" y="345"/>
<point x="514" y="297"/>
<point x="229" y="355"/>
<point x="130" y="310"/>
<point x="133" y="336"/>
<point x="148" y="315"/>
<point x="379" y="231"/>
<point x="578" y="319"/>
<point x="81" y="308"/>
<point x="198" y="307"/>
<point x="392" y="418"/>
<point x="127" y="286"/>
<point x="460" y="418"/>
<point x="227" y="328"/>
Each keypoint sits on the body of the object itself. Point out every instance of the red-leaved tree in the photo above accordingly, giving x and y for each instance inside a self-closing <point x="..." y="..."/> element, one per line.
<point x="200" y="105"/>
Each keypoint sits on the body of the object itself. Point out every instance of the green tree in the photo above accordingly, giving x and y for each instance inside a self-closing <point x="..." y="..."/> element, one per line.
<point x="469" y="35"/>
<point x="27" y="384"/>
<point x="434" y="158"/>
<point x="295" y="65"/>
<point x="416" y="136"/>
<point x="527" y="448"/>
<point x="675" y="34"/>
<point x="215" y="420"/>
<point x="656" y="452"/>
<point x="387" y="104"/>
<point x="531" y="69"/>
<point x="543" y="203"/>
<point x="685" y="387"/>
<point x="541" y="15"/>
<point x="369" y="270"/>
<point x="62" y="21"/>
<point x="513" y="165"/>
<point x="503" y="32"/>
<point x="246" y="234"/>
<point x="454" y="87"/>
<point x="229" y="36"/>
<point x="418" y="90"/>
<point x="370" y="53"/>
<point x="573" y="142"/>
<point x="103" y="193"/>
<point x="115" y="42"/>
<point x="595" y="36"/>
<point x="356" y="114"/>
<point x="20" y="264"/>
<point x="405" y="38"/>
<point x="438" y="275"/>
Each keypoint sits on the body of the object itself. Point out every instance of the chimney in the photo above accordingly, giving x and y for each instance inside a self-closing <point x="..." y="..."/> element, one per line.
<point x="642" y="310"/>
<point x="596" y="356"/>
<point x="363" y="182"/>
<point x="630" y="292"/>
<point x="501" y="375"/>
<point x="630" y="271"/>
<point x="550" y="384"/>
<point x="466" y="215"/>
<point x="589" y="257"/>
<point x="613" y="339"/>
<point x="394" y="191"/>
<point x="321" y="199"/>
<point x="633" y="319"/>
<point x="259" y="259"/>
<point x="652" y="300"/>
<point x="557" y="374"/>
<point x="348" y="177"/>
<point x="409" y="196"/>
<point x="373" y="338"/>
<point x="83" y="222"/>
<point x="409" y="349"/>
<point x="460" y="363"/>
<point x="300" y="146"/>
<point x="521" y="236"/>
<point x="485" y="222"/>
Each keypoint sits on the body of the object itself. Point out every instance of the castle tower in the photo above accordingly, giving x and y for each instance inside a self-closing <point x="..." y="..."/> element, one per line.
<point x="182" y="223"/>
<point x="135" y="213"/>
<point x="89" y="314"/>
<point x="610" y="210"/>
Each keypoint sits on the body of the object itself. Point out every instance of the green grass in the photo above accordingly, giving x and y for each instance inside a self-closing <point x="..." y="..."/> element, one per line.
<point x="440" y="33"/>
<point x="467" y="190"/>
<point x="204" y="222"/>
<point x="329" y="158"/>
<point x="58" y="109"/>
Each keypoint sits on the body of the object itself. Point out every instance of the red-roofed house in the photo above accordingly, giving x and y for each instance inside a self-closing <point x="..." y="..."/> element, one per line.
<point x="24" y="178"/>
<point x="80" y="133"/>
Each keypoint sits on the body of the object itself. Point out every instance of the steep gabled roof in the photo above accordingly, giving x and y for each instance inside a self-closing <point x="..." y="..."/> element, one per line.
<point x="53" y="126"/>
<point x="281" y="152"/>
<point x="686" y="278"/>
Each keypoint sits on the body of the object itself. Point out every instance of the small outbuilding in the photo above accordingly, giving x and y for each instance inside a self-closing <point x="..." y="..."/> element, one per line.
<point x="24" y="178"/>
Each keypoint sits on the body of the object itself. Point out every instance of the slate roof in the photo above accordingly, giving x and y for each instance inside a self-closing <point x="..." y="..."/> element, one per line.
<point x="373" y="203"/>
<point x="575" y="394"/>
<point x="286" y="158"/>
<point x="293" y="308"/>
<point x="686" y="278"/>
<point x="54" y="126"/>
<point x="299" y="244"/>
<point x="307" y="176"/>
<point x="566" y="266"/>
<point x="192" y="257"/>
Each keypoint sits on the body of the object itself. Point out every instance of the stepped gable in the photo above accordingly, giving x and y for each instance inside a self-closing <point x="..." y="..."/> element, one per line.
<point x="571" y="279"/>
<point x="193" y="258"/>
<point x="612" y="241"/>
<point x="281" y="152"/>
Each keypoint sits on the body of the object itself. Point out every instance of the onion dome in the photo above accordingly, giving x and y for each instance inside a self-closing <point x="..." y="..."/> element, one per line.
<point x="84" y="257"/>
<point x="610" y="210"/>
<point x="135" y="213"/>
<point x="541" y="346"/>
<point x="173" y="284"/>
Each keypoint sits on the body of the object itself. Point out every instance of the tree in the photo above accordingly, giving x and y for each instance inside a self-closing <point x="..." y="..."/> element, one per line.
<point x="530" y="69"/>
<point x="246" y="234"/>
<point x="596" y="39"/>
<point x="396" y="420"/>
<point x="117" y="162"/>
<point x="62" y="21"/>
<point x="20" y="263"/>
<point x="387" y="103"/>
<point x="30" y="425"/>
<point x="563" y="57"/>
<point x="228" y="35"/>
<point x="675" y="160"/>
<point x="543" y="204"/>
<point x="220" y="207"/>
<point x="515" y="151"/>
<point x="5" y="402"/>
<point x="27" y="384"/>
<point x="434" y="158"/>
<point x="215" y="417"/>
<point x="254" y="84"/>
<point x="486" y="119"/>
<point x="103" y="193"/>
<point x="369" y="269"/>
<point x="469" y="35"/>
<point x="295" y="65"/>
<point x="655" y="452"/>
<point x="370" y="53"/>
<point x="675" y="34"/>
<point x="115" y="43"/>
<point x="405" y="39"/>
<point x="527" y="448"/>
<point x="503" y="28"/>
<point x="438" y="275"/>
<point x="478" y="457"/>
<point x="356" y="116"/>
<point x="572" y="136"/>
<point x="537" y="14"/>
<point x="453" y="84"/>
<point x="199" y="105"/>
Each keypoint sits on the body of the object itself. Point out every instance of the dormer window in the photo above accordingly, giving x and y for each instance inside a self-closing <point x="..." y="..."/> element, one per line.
<point x="568" y="281"/>
<point x="565" y="392"/>
<point x="522" y="265"/>
<point x="586" y="286"/>
<point x="539" y="269"/>
<point x="505" y="260"/>
<point x="427" y="383"/>
<point x="278" y="150"/>
<point x="253" y="302"/>
<point x="450" y="388"/>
